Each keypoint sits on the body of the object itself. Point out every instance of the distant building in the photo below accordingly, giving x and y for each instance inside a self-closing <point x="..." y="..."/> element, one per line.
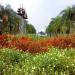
<point x="42" y="33"/>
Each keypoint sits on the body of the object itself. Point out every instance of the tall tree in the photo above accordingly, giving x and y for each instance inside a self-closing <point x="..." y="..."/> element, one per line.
<point x="12" y="25"/>
<point x="54" y="26"/>
<point x="30" y="29"/>
<point x="64" y="22"/>
<point x="67" y="18"/>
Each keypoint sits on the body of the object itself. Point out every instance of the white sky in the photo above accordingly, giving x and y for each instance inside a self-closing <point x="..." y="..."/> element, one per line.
<point x="40" y="12"/>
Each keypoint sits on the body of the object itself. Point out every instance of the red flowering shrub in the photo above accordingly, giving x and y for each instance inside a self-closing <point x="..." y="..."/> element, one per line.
<point x="72" y="37"/>
<point x="62" y="42"/>
<point x="23" y="43"/>
<point x="27" y="44"/>
<point x="3" y="40"/>
<point x="10" y="41"/>
<point x="37" y="47"/>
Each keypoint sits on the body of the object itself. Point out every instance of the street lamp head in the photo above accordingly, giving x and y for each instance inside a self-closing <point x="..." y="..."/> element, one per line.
<point x="22" y="13"/>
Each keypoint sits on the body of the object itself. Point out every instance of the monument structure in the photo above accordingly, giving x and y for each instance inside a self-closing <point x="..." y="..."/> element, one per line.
<point x="23" y="16"/>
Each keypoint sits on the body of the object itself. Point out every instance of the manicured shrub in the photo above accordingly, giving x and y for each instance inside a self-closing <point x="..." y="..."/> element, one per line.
<point x="3" y="40"/>
<point x="36" y="46"/>
<point x="62" y="42"/>
<point x="23" y="43"/>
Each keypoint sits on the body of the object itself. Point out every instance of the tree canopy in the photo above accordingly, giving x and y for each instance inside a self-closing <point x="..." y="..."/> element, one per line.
<point x="11" y="21"/>
<point x="30" y="29"/>
<point x="63" y="23"/>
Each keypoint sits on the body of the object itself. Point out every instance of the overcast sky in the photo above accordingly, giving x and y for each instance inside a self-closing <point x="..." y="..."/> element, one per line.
<point x="40" y="12"/>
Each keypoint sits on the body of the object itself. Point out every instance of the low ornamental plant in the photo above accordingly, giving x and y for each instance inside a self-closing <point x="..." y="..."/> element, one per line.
<point x="23" y="43"/>
<point x="3" y="40"/>
<point x="54" y="62"/>
<point x="62" y="42"/>
<point x="36" y="46"/>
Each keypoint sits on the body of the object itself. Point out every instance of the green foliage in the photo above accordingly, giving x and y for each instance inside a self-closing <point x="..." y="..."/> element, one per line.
<point x="12" y="25"/>
<point x="30" y="29"/>
<point x="33" y="36"/>
<point x="64" y="23"/>
<point x="55" y="25"/>
<point x="54" y="62"/>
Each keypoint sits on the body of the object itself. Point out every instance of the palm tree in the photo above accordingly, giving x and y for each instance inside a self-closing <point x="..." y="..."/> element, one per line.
<point x="67" y="18"/>
<point x="54" y="26"/>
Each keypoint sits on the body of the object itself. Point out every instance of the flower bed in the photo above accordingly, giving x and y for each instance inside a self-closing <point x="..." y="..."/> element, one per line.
<point x="36" y="46"/>
<point x="54" y="62"/>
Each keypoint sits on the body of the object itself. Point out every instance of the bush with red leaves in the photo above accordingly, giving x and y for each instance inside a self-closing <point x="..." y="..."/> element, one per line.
<point x="23" y="43"/>
<point x="62" y="42"/>
<point x="27" y="44"/>
<point x="37" y="47"/>
<point x="3" y="40"/>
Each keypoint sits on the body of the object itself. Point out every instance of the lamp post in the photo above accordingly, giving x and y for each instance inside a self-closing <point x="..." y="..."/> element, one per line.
<point x="23" y="16"/>
<point x="1" y="21"/>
